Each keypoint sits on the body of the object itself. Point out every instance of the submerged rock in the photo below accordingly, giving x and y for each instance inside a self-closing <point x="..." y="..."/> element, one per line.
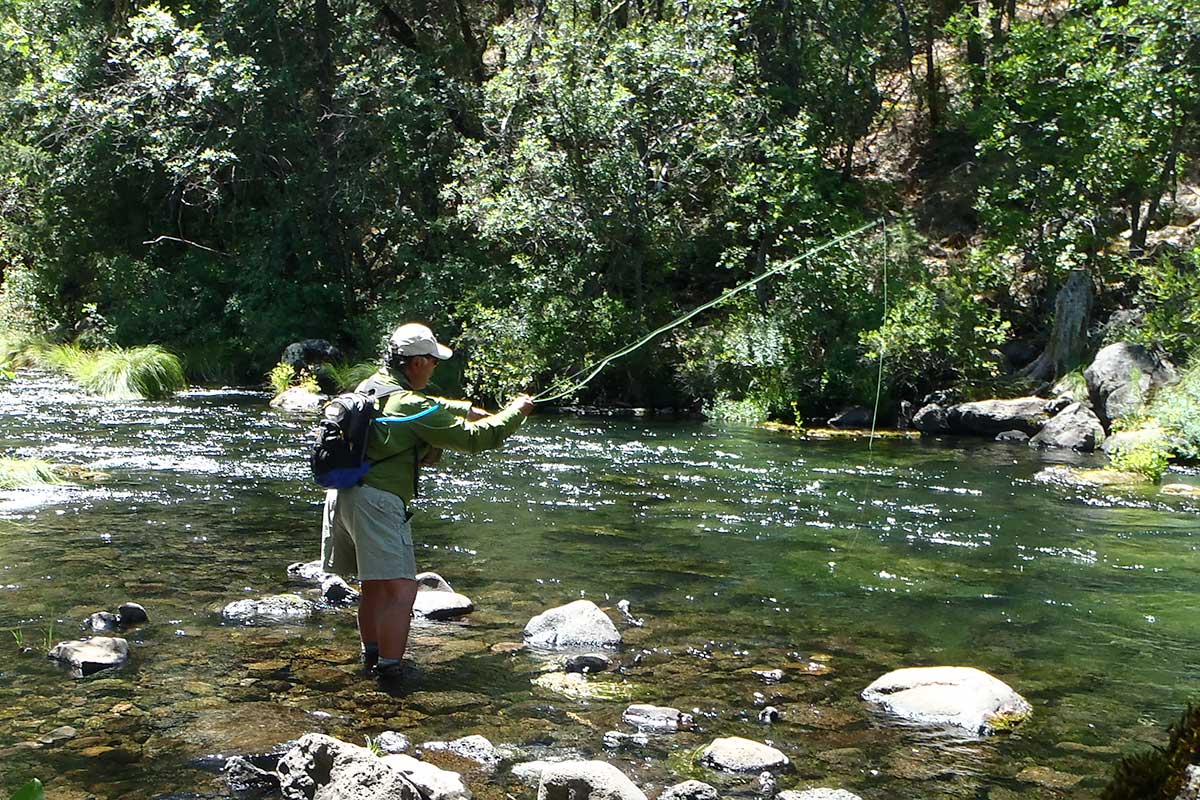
<point x="587" y="663"/>
<point x="1012" y="437"/>
<point x="273" y="608"/>
<point x="319" y="766"/>
<point x="657" y="719"/>
<point x="818" y="794"/>
<point x="1075" y="427"/>
<point x="964" y="697"/>
<point x="1182" y="489"/>
<point x="856" y="417"/>
<point x="735" y="754"/>
<point x="473" y="748"/>
<point x="432" y="782"/>
<point x="615" y="740"/>
<point x="689" y="790"/>
<point x="88" y="656"/>
<point x="586" y="780"/>
<point x="1070" y="476"/>
<point x="577" y="624"/>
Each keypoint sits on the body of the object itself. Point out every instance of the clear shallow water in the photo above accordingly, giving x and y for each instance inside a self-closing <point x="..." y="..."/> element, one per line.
<point x="741" y="549"/>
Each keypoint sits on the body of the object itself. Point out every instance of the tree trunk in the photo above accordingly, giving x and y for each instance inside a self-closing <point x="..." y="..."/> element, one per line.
<point x="1068" y="339"/>
<point x="931" y="80"/>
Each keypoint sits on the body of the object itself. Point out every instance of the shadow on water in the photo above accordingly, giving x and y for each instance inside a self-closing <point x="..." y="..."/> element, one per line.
<point x="744" y="551"/>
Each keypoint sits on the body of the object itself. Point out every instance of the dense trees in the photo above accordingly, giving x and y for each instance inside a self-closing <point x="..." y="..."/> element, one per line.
<point x="551" y="179"/>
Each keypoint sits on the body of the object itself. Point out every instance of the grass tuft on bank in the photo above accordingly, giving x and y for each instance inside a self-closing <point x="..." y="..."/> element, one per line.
<point x="22" y="473"/>
<point x="148" y="372"/>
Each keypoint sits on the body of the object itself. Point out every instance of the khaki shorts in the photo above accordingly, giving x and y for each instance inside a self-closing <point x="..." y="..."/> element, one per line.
<point x="365" y="533"/>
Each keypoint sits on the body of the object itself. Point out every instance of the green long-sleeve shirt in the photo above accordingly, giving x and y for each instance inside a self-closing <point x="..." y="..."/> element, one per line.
<point x="398" y="447"/>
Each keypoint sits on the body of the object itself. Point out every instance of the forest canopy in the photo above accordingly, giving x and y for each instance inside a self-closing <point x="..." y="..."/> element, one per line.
<point x="545" y="182"/>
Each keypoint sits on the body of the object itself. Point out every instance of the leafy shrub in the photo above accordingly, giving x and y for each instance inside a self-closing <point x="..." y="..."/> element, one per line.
<point x="1169" y="303"/>
<point x="1149" y="458"/>
<point x="280" y="377"/>
<point x="747" y="411"/>
<point x="1177" y="410"/>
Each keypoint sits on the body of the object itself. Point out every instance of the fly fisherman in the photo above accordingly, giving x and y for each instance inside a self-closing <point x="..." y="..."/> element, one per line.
<point x="366" y="529"/>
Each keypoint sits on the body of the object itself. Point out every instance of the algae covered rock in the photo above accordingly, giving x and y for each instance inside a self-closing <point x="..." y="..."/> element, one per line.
<point x="577" y="624"/>
<point x="963" y="697"/>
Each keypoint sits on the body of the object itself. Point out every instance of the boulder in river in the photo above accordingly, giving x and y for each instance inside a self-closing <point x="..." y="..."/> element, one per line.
<point x="246" y="781"/>
<point x="101" y="621"/>
<point x="130" y="613"/>
<point x="963" y="697"/>
<point x="856" y="417"/>
<point x="587" y="663"/>
<point x="272" y="608"/>
<point x="735" y="754"/>
<point x="319" y="766"/>
<point x="87" y="656"/>
<point x="577" y="624"/>
<point x="991" y="417"/>
<point x="432" y="582"/>
<point x="1013" y="437"/>
<point x="656" y="719"/>
<point x="307" y="571"/>
<point x="297" y="398"/>
<point x="436" y="599"/>
<point x="337" y="592"/>
<point x="1075" y="428"/>
<point x="586" y="780"/>
<point x="432" y="782"/>
<point x="817" y="794"/>
<point x="393" y="742"/>
<point x="689" y="790"/>
<point x="1122" y="377"/>
<point x="931" y="418"/>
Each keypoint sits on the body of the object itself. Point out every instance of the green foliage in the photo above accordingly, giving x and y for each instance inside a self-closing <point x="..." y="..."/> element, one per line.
<point x="747" y="411"/>
<point x="345" y="377"/>
<point x="18" y="636"/>
<point x="1149" y="459"/>
<point x="280" y="377"/>
<point x="17" y="473"/>
<point x="1176" y="408"/>
<point x="1159" y="774"/>
<point x="373" y="746"/>
<point x="30" y="791"/>
<point x="148" y="372"/>
<point x="1170" y="305"/>
<point x="1081" y="116"/>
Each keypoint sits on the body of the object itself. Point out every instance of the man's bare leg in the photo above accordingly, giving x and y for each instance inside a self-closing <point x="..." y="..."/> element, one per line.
<point x="385" y="615"/>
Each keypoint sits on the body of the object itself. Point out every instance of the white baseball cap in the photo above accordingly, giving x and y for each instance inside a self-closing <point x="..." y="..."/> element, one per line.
<point x="414" y="339"/>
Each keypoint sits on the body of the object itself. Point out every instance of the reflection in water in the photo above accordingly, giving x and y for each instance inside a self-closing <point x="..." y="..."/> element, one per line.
<point x="743" y="551"/>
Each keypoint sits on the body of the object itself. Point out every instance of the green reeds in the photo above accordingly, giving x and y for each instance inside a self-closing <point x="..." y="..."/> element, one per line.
<point x="148" y="372"/>
<point x="17" y="473"/>
<point x="347" y="376"/>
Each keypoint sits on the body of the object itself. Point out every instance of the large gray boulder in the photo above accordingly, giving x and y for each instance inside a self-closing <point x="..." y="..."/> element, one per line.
<point x="319" y="767"/>
<point x="735" y="754"/>
<point x="272" y="608"/>
<point x="246" y="781"/>
<point x="1122" y="377"/>
<point x="86" y="656"/>
<point x="1074" y="428"/>
<point x="586" y="780"/>
<point x="856" y="417"/>
<point x="577" y="624"/>
<point x="991" y="417"/>
<point x="931" y="418"/>
<point x="963" y="697"/>
<point x="437" y="600"/>
<point x="309" y="353"/>
<point x="432" y="782"/>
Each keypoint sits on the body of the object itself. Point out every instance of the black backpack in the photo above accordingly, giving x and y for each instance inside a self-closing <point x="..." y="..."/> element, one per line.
<point x="339" y="455"/>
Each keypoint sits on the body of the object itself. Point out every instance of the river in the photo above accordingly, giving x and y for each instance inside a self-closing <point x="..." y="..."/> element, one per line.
<point x="741" y="549"/>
